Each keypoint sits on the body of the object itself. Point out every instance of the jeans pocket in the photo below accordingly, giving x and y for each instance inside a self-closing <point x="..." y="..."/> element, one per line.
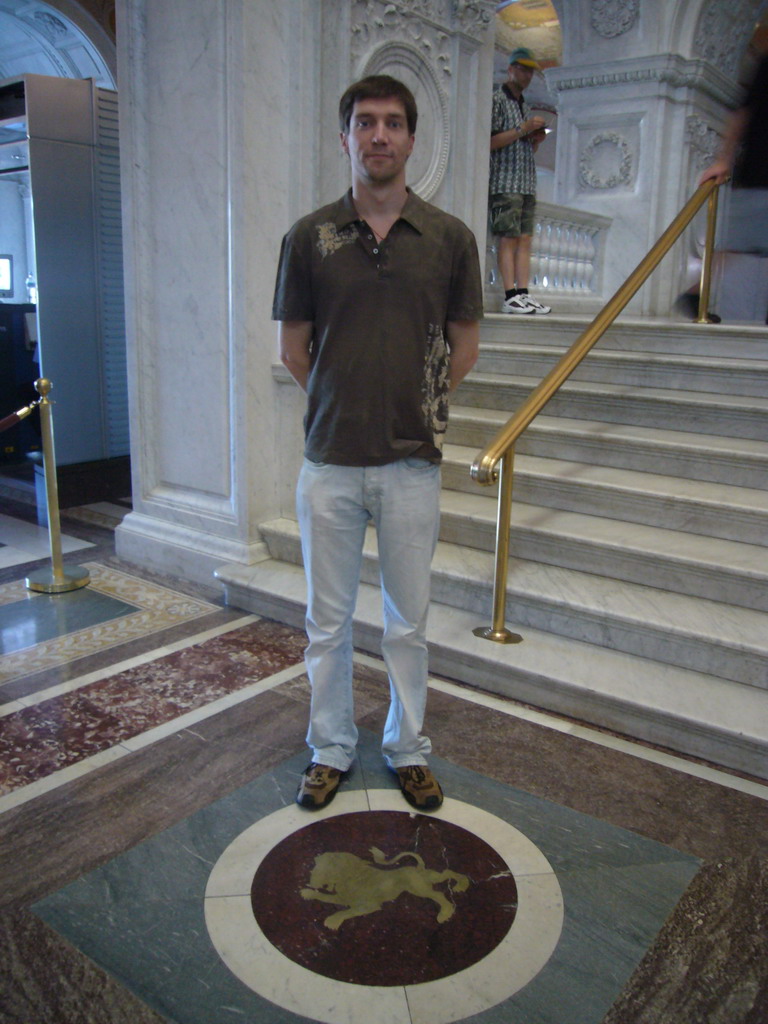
<point x="418" y="465"/>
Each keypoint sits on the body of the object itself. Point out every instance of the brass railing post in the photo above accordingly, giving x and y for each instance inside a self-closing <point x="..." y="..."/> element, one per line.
<point x="498" y="631"/>
<point x="499" y="453"/>
<point x="706" y="263"/>
<point x="59" y="578"/>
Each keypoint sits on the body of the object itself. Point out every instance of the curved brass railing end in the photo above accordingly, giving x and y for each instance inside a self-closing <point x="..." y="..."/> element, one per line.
<point x="485" y="470"/>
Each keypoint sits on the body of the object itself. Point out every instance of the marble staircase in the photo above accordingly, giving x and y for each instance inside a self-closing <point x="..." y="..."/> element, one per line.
<point x="639" y="568"/>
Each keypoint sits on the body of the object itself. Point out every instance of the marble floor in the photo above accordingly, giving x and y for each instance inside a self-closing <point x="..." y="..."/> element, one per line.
<point x="155" y="867"/>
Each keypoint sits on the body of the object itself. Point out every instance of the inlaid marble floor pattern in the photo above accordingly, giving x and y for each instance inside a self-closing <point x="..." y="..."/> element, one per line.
<point x="155" y="866"/>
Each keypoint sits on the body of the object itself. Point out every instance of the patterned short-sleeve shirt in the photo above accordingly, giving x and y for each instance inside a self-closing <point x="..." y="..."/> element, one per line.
<point x="377" y="389"/>
<point x="513" y="169"/>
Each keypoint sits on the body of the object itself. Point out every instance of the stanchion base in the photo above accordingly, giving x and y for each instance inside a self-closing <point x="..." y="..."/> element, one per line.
<point x="499" y="636"/>
<point x="72" y="577"/>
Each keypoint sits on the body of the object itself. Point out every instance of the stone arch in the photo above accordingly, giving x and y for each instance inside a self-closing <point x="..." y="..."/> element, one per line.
<point x="58" y="37"/>
<point x="716" y="30"/>
<point x="723" y="31"/>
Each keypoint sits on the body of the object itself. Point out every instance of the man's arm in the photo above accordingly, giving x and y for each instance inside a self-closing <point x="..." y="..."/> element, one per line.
<point x="502" y="139"/>
<point x="464" y="344"/>
<point x="294" y="338"/>
<point x="721" y="169"/>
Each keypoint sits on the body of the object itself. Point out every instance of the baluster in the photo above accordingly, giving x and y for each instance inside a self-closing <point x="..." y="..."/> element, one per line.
<point x="590" y="252"/>
<point x="536" y="256"/>
<point x="557" y="256"/>
<point x="571" y="254"/>
<point x="546" y="250"/>
<point x="584" y="260"/>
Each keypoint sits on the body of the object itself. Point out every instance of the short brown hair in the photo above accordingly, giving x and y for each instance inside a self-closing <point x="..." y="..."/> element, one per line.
<point x="377" y="87"/>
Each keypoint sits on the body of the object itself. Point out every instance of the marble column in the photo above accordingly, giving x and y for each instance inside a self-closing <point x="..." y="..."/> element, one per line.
<point x="206" y="90"/>
<point x="228" y="133"/>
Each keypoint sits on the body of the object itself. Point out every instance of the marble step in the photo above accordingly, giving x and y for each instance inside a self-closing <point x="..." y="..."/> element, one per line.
<point x="691" y="506"/>
<point x="691" y="411"/>
<point x="719" y="376"/>
<point x="684" y="563"/>
<point x="694" y="713"/>
<point x="738" y="461"/>
<point x="708" y="636"/>
<point x="630" y="334"/>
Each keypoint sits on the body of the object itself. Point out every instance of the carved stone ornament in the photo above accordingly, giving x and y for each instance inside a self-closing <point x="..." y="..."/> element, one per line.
<point x="49" y="24"/>
<point x="678" y="76"/>
<point x="703" y="140"/>
<point x="724" y="29"/>
<point x="614" y="17"/>
<point x="376" y="23"/>
<point x="473" y="16"/>
<point x="419" y="21"/>
<point x="606" y="162"/>
<point x="428" y="164"/>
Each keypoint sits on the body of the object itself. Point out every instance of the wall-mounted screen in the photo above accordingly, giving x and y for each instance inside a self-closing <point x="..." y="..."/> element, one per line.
<point x="6" y="277"/>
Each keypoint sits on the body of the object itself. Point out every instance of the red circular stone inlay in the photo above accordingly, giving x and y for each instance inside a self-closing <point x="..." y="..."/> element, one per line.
<point x="384" y="898"/>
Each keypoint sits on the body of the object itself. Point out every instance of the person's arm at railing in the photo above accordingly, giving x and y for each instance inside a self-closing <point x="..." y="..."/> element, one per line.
<point x="464" y="345"/>
<point x="722" y="166"/>
<point x="294" y="338"/>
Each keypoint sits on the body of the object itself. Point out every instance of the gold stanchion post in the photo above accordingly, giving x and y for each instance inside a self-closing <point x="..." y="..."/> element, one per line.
<point x="59" y="578"/>
<point x="498" y="631"/>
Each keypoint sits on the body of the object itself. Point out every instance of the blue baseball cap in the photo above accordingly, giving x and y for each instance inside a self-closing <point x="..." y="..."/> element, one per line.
<point x="522" y="55"/>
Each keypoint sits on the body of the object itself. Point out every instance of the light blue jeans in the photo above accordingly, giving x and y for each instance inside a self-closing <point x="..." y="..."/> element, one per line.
<point x="334" y="505"/>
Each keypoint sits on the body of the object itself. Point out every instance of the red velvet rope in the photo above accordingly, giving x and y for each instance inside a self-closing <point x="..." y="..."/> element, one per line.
<point x="14" y="417"/>
<point x="9" y="421"/>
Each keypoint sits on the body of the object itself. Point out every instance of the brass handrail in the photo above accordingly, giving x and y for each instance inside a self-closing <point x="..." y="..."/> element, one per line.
<point x="501" y="449"/>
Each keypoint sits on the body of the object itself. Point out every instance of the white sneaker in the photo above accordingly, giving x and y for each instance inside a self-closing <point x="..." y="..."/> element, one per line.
<point x="517" y="304"/>
<point x="535" y="305"/>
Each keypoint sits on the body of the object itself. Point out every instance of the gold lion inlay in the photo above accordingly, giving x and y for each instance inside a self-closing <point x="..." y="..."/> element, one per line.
<point x="363" y="887"/>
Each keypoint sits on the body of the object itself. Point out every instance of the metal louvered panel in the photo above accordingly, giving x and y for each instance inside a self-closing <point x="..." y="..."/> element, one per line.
<point x="109" y="256"/>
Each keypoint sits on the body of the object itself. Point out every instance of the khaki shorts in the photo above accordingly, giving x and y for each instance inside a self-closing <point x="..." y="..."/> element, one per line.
<point x="513" y="215"/>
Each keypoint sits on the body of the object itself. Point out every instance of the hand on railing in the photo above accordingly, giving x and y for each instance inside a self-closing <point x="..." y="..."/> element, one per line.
<point x="719" y="171"/>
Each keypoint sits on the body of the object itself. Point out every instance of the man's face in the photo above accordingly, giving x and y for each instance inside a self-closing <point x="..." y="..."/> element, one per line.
<point x="519" y="76"/>
<point x="378" y="142"/>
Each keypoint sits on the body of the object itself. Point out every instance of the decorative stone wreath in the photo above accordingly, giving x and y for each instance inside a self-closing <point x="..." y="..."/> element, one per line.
<point x="622" y="176"/>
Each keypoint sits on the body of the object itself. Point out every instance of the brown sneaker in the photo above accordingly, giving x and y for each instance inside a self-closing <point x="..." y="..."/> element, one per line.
<point x="318" y="786"/>
<point x="420" y="787"/>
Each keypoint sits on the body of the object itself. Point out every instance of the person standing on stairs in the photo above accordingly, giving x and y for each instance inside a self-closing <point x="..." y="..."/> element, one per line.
<point x="515" y="137"/>
<point x="744" y="154"/>
<point x="378" y="299"/>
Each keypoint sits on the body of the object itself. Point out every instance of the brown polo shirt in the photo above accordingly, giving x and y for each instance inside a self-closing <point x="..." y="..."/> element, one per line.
<point x="378" y="382"/>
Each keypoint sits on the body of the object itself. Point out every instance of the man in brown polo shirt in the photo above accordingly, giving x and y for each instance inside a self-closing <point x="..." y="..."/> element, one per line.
<point x="378" y="298"/>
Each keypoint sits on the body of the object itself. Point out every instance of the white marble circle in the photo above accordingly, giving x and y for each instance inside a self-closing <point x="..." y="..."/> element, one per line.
<point x="250" y="956"/>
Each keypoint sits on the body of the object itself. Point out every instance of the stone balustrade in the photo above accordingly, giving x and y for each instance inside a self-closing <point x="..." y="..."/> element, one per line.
<point x="566" y="259"/>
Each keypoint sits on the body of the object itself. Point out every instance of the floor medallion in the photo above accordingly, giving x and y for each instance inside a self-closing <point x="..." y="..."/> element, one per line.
<point x="500" y="908"/>
<point x="316" y="913"/>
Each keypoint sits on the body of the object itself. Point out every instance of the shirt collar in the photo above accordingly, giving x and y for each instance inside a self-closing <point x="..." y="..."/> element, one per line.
<point x="413" y="212"/>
